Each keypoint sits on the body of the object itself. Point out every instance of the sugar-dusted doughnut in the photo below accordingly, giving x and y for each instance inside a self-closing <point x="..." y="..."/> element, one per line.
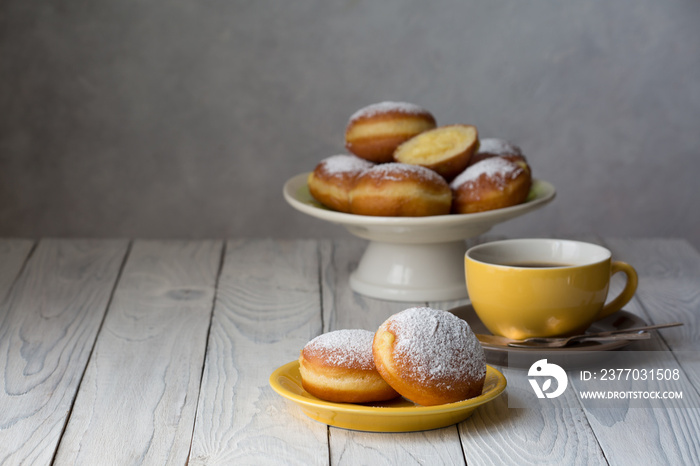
<point x="339" y="366"/>
<point x="400" y="190"/>
<point x="492" y="183"/>
<point x="446" y="149"/>
<point x="429" y="356"/>
<point x="374" y="132"/>
<point x="496" y="147"/>
<point x="332" y="179"/>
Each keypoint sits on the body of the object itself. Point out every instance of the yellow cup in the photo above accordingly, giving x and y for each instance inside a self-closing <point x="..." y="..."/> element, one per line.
<point x="543" y="287"/>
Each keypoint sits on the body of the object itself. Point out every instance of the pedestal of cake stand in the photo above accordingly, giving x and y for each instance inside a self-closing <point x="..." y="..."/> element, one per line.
<point x="413" y="258"/>
<point x="411" y="272"/>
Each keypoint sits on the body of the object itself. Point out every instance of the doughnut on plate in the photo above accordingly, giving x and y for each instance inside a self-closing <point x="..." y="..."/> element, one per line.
<point x="399" y="415"/>
<point x="431" y="229"/>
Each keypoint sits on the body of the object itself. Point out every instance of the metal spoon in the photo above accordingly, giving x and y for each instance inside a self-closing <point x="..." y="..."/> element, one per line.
<point x="565" y="341"/>
<point x="637" y="333"/>
<point x="556" y="342"/>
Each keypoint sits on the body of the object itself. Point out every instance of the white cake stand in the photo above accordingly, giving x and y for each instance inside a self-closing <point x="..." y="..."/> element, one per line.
<point x="413" y="258"/>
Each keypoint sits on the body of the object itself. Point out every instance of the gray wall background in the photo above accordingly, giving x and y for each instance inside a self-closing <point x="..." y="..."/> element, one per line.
<point x="183" y="118"/>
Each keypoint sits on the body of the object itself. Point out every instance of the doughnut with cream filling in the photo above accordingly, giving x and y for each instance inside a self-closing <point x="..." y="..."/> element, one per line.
<point x="446" y="149"/>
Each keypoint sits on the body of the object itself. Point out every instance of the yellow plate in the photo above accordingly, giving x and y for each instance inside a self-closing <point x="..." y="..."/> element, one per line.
<point x="399" y="415"/>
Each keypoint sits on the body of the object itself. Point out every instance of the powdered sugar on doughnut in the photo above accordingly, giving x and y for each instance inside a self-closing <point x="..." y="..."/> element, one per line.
<point x="495" y="168"/>
<point x="388" y="106"/>
<point x="400" y="171"/>
<point x="498" y="147"/>
<point x="345" y="348"/>
<point x="437" y="346"/>
<point x="343" y="163"/>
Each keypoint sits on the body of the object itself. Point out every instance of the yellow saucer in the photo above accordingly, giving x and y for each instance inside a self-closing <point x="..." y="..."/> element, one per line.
<point x="398" y="415"/>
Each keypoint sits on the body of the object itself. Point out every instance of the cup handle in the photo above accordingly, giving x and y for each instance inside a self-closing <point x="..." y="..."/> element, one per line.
<point x="626" y="295"/>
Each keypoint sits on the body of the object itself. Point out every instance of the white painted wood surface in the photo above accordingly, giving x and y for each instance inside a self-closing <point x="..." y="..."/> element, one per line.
<point x="48" y="325"/>
<point x="267" y="308"/>
<point x="137" y="401"/>
<point x="159" y="352"/>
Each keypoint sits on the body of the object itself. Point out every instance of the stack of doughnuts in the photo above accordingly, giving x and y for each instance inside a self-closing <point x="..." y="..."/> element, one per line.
<point x="402" y="164"/>
<point x="428" y="356"/>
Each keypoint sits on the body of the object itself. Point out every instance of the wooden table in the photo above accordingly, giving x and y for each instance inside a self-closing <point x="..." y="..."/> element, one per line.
<point x="159" y="352"/>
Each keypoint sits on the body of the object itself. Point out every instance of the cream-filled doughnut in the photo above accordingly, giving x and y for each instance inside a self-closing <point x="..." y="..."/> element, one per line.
<point x="430" y="356"/>
<point x="375" y="131"/>
<point x="332" y="179"/>
<point x="492" y="183"/>
<point x="339" y="366"/>
<point x="446" y="150"/>
<point x="400" y="190"/>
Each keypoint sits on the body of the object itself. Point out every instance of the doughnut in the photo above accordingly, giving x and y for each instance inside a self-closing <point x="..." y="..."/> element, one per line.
<point x="375" y="131"/>
<point x="339" y="366"/>
<point x="429" y="356"/>
<point x="400" y="190"/>
<point x="495" y="147"/>
<point x="446" y="149"/>
<point x="492" y="183"/>
<point x="331" y="180"/>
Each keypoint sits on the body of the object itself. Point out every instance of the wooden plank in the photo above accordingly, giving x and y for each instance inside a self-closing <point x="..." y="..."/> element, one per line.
<point x="48" y="325"/>
<point x="345" y="309"/>
<point x="138" y="398"/>
<point x="559" y="434"/>
<point x="267" y="308"/>
<point x="13" y="254"/>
